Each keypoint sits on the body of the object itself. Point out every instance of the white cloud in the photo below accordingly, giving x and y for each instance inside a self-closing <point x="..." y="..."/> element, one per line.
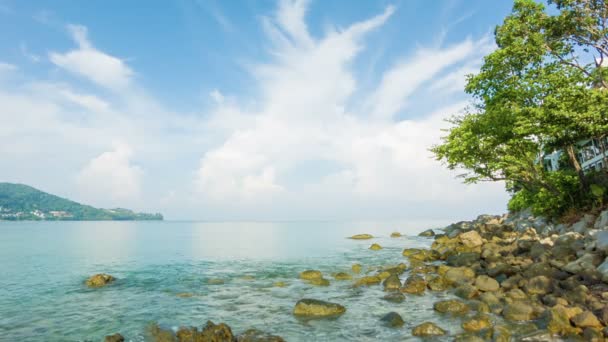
<point x="110" y="177"/>
<point x="6" y="67"/>
<point x="86" y="61"/>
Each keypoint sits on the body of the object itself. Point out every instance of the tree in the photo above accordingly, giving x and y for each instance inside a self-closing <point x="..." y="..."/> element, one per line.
<point x="543" y="89"/>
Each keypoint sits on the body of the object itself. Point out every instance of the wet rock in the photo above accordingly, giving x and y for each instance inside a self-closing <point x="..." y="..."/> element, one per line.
<point x="501" y="333"/>
<point x="368" y="281"/>
<point x="215" y="281"/>
<point x="311" y="274"/>
<point x="451" y="306"/>
<point x="538" y="285"/>
<point x="602" y="221"/>
<point x="383" y="275"/>
<point x="437" y="283"/>
<point x="392" y="320"/>
<point x="185" y="295"/>
<point x="99" y="280"/>
<point x="395" y="234"/>
<point x="342" y="276"/>
<point x="356" y="268"/>
<point x="394" y="297"/>
<point x="486" y="284"/>
<point x="397" y="269"/>
<point x="459" y="275"/>
<point x="477" y="323"/>
<point x="427" y="233"/>
<point x="466" y="291"/>
<point x="375" y="247"/>
<point x="428" y="329"/>
<point x="392" y="283"/>
<point x="586" y="319"/>
<point x="254" y="335"/>
<point x="471" y="239"/>
<point x="362" y="237"/>
<point x="279" y="284"/>
<point x="519" y="311"/>
<point x="318" y="282"/>
<point x="516" y="294"/>
<point x="157" y="334"/>
<point x="603" y="270"/>
<point x="114" y="338"/>
<point x="463" y="259"/>
<point x="414" y="284"/>
<point x="479" y="306"/>
<point x="313" y="308"/>
<point x="216" y="333"/>
<point x="593" y="335"/>
<point x="469" y="337"/>
<point x="556" y="321"/>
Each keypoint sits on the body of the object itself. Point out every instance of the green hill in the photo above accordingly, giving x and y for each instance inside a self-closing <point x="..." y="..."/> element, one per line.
<point x="22" y="202"/>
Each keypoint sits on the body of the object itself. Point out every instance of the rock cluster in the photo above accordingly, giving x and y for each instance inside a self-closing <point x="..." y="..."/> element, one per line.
<point x="211" y="332"/>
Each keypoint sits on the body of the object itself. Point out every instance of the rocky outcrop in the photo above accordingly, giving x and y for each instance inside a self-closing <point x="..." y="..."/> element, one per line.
<point x="99" y="280"/>
<point x="362" y="237"/>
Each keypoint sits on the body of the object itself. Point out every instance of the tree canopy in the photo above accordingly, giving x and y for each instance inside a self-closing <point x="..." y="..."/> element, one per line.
<point x="543" y="89"/>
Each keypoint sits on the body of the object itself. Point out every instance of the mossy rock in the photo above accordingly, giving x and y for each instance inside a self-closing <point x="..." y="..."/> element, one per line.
<point x="318" y="282"/>
<point x="428" y="329"/>
<point x="254" y="335"/>
<point x="215" y="281"/>
<point x="486" y="284"/>
<point x="414" y="284"/>
<point x="519" y="311"/>
<point x="362" y="237"/>
<point x="451" y="306"/>
<point x="395" y="235"/>
<point x="368" y="281"/>
<point x="392" y="283"/>
<point x="114" y="338"/>
<point x="99" y="280"/>
<point x="279" y="284"/>
<point x="427" y="233"/>
<point x="477" y="323"/>
<point x="437" y="283"/>
<point x="356" y="268"/>
<point x="392" y="320"/>
<point x="375" y="247"/>
<point x="313" y="308"/>
<point x="311" y="274"/>
<point x="343" y="276"/>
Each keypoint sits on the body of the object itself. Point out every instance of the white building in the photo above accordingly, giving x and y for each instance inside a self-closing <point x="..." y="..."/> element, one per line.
<point x="589" y="155"/>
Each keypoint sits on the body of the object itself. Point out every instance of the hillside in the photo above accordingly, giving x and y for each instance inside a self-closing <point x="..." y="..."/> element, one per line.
<point x="22" y="202"/>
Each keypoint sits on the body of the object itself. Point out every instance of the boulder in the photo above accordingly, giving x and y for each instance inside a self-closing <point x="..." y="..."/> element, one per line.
<point x="603" y="270"/>
<point x="451" y="306"/>
<point x="486" y="284"/>
<point x="99" y="280"/>
<point x="362" y="237"/>
<point x="394" y="297"/>
<point x="538" y="285"/>
<point x="519" y="311"/>
<point x="602" y="241"/>
<point x="356" y="268"/>
<point x="215" y="281"/>
<point x="556" y="321"/>
<point x="427" y="233"/>
<point x="602" y="220"/>
<point x="395" y="234"/>
<point x="311" y="274"/>
<point x="428" y="329"/>
<point x="210" y="332"/>
<point x="463" y="259"/>
<point x="586" y="319"/>
<point x="279" y="284"/>
<point x="392" y="283"/>
<point x="471" y="239"/>
<point x="368" y="281"/>
<point x="313" y="308"/>
<point x="318" y="282"/>
<point x="216" y="333"/>
<point x="585" y="223"/>
<point x="437" y="283"/>
<point x="466" y="291"/>
<point x="477" y="323"/>
<point x="459" y="275"/>
<point x="114" y="338"/>
<point x="375" y="247"/>
<point x="414" y="284"/>
<point x="392" y="320"/>
<point x="254" y="335"/>
<point x="342" y="276"/>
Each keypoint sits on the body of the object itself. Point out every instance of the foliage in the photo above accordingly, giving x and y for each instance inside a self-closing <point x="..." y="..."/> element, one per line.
<point x="19" y="198"/>
<point x="543" y="89"/>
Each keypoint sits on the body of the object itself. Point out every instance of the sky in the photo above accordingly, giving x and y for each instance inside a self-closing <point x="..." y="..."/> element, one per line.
<point x="243" y="110"/>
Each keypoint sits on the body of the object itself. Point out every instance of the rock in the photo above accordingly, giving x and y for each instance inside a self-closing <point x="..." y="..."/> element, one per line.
<point x="397" y="269"/>
<point x="519" y="311"/>
<point x="342" y="276"/>
<point x="437" y="283"/>
<point x="471" y="239"/>
<point x="463" y="259"/>
<point x="459" y="275"/>
<point x="427" y="233"/>
<point x="516" y="294"/>
<point x="602" y="220"/>
<point x="313" y="308"/>
<point x="311" y="274"/>
<point x="114" y="338"/>
<point x="414" y="284"/>
<point x="392" y="320"/>
<point x="451" y="306"/>
<point x="586" y="264"/>
<point x="185" y="295"/>
<point x="501" y="333"/>
<point x="361" y="237"/>
<point x="356" y="268"/>
<point x="428" y="329"/>
<point x="394" y="297"/>
<point x="486" y="284"/>
<point x="477" y="323"/>
<point x="602" y="241"/>
<point x="99" y="280"/>
<point x="585" y="223"/>
<point x="539" y="285"/>
<point x="466" y="291"/>
<point x="368" y="281"/>
<point x="215" y="281"/>
<point x="556" y="321"/>
<point x="392" y="283"/>
<point x="318" y="282"/>
<point x="157" y="334"/>
<point x="254" y="335"/>
<point x="593" y="335"/>
<point x="603" y="270"/>
<point x="395" y="234"/>
<point x="586" y="319"/>
<point x="375" y="247"/>
<point x="279" y="284"/>
<point x="383" y="275"/>
<point x="216" y="333"/>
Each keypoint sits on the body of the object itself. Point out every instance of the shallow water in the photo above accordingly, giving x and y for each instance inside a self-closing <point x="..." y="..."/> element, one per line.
<point x="43" y="266"/>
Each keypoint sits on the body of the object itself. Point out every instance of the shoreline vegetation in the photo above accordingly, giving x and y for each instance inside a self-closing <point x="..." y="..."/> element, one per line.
<point x="19" y="202"/>
<point x="516" y="277"/>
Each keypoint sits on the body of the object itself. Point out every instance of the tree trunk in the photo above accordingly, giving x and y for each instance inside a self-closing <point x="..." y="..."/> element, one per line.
<point x="603" y="150"/>
<point x="577" y="165"/>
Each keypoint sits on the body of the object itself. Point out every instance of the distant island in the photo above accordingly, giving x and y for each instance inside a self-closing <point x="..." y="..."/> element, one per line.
<point x="22" y="202"/>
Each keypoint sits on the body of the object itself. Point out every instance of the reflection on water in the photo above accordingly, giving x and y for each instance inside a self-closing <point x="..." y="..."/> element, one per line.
<point x="43" y="265"/>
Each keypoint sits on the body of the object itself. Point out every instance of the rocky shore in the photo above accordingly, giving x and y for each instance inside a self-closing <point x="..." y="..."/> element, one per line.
<point x="514" y="277"/>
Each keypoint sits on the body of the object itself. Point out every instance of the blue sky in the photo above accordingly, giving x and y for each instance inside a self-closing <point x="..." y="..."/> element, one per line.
<point x="242" y="109"/>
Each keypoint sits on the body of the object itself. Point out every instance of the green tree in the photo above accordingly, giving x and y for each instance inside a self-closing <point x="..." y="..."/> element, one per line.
<point x="543" y="89"/>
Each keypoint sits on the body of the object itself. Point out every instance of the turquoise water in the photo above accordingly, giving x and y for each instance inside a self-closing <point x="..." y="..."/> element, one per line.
<point x="43" y="266"/>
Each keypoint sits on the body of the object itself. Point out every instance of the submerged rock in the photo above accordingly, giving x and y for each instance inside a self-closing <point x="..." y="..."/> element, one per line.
<point x="254" y="335"/>
<point x="356" y="268"/>
<point x="394" y="297"/>
<point x="318" y="282"/>
<point x="99" y="280"/>
<point x="414" y="284"/>
<point x="114" y="338"/>
<point x="477" y="323"/>
<point x="392" y="283"/>
<point x="311" y="274"/>
<point x="215" y="281"/>
<point x="313" y="308"/>
<point x="279" y="284"/>
<point x="342" y="276"/>
<point x="428" y="329"/>
<point x="392" y="320"/>
<point x="362" y="237"/>
<point x="375" y="247"/>
<point x="368" y="280"/>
